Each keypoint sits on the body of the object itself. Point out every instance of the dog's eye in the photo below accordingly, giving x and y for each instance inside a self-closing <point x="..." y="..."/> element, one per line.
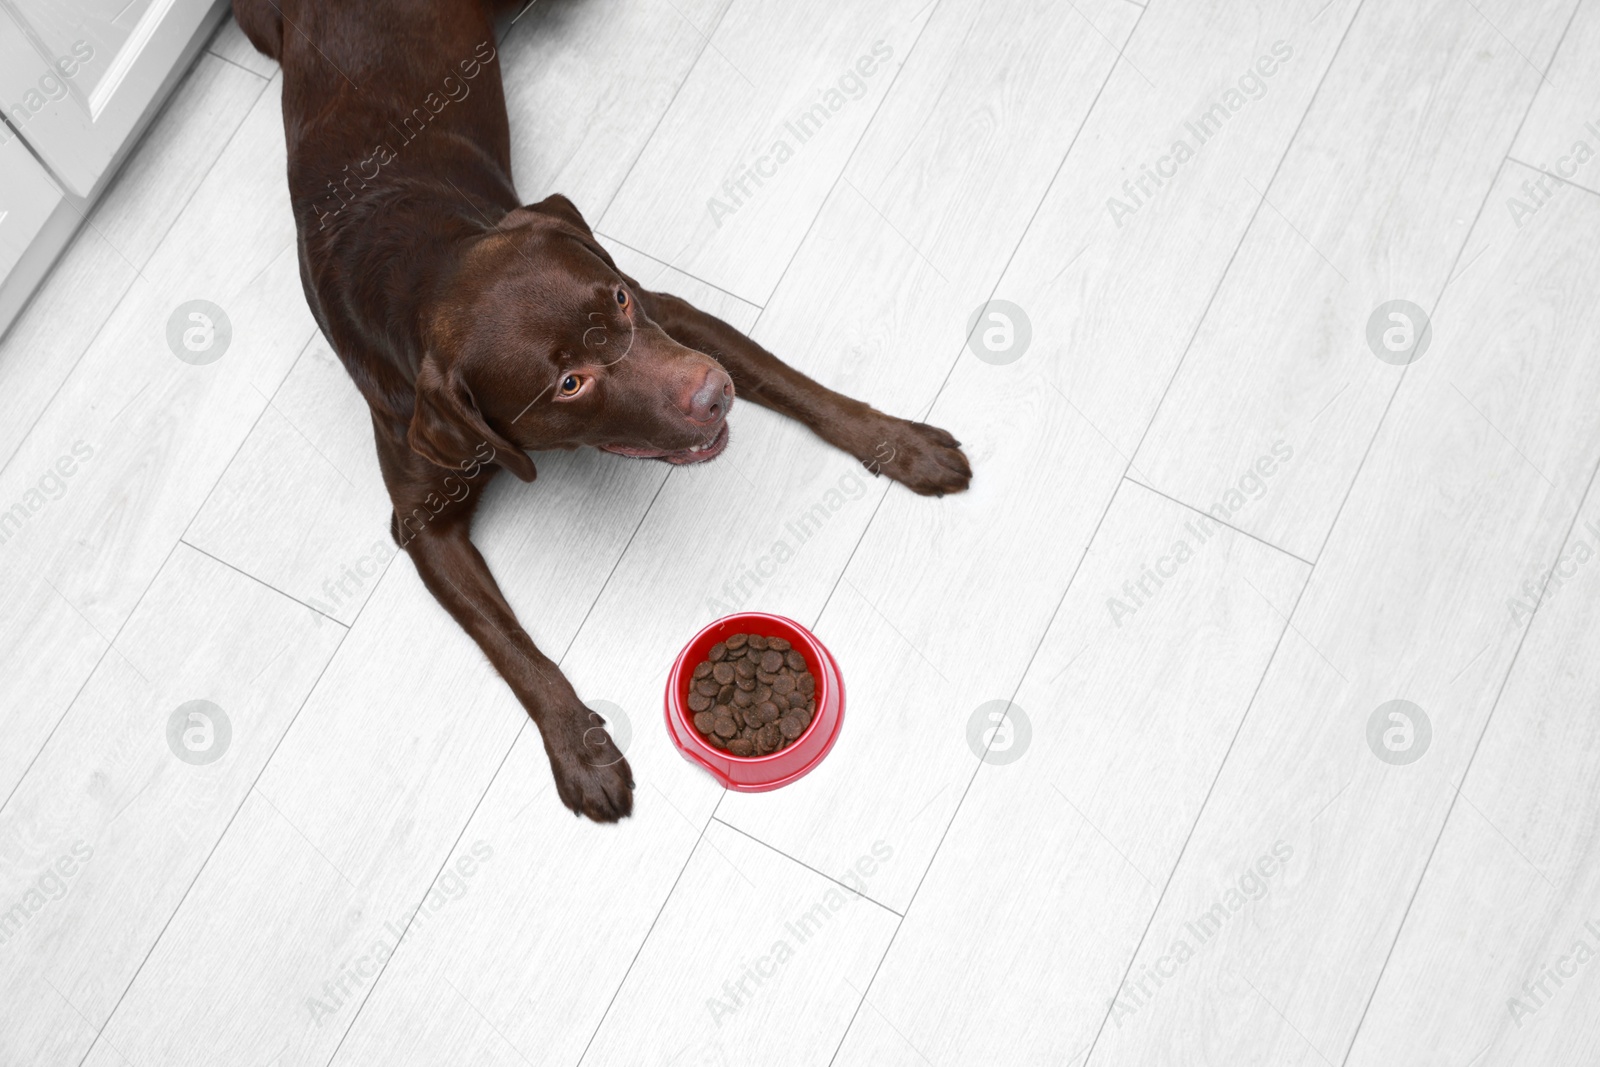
<point x="622" y="297"/>
<point x="570" y="385"/>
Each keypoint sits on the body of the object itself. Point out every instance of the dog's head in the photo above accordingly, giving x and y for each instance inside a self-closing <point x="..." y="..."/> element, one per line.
<point x="539" y="343"/>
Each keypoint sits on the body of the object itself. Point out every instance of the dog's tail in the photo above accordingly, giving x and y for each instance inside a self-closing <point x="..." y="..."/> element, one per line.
<point x="262" y="22"/>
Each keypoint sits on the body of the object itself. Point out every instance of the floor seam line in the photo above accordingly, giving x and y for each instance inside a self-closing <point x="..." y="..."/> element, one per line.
<point x="240" y="66"/>
<point x="802" y="863"/>
<point x="1225" y="525"/>
<point x="261" y="582"/>
<point x="694" y="277"/>
<point x="1553" y="175"/>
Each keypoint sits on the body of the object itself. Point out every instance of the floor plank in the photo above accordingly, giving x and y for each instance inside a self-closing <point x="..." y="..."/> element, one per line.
<point x="134" y="819"/>
<point x="1509" y="894"/>
<point x="1471" y="487"/>
<point x="1565" y="114"/>
<point x="1067" y="831"/>
<point x="587" y="84"/>
<point x="778" y="983"/>
<point x="767" y="67"/>
<point x="1373" y="204"/>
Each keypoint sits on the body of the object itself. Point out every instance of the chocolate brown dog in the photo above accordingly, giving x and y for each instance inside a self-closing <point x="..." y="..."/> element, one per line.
<point x="478" y="328"/>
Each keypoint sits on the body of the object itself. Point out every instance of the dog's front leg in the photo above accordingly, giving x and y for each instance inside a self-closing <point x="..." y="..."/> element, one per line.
<point x="924" y="458"/>
<point x="591" y="775"/>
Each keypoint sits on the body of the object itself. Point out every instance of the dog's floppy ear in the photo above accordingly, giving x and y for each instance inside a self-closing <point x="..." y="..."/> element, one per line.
<point x="448" y="429"/>
<point x="558" y="206"/>
<point x="559" y="209"/>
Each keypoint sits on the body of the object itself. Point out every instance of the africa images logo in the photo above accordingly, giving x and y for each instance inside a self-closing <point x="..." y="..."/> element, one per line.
<point x="199" y="332"/>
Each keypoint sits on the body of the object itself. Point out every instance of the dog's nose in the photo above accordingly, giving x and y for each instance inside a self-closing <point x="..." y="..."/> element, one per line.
<point x="711" y="400"/>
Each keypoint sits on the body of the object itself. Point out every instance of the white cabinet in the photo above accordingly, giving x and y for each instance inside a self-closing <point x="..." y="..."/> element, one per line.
<point x="34" y="219"/>
<point x="77" y="77"/>
<point x="29" y="201"/>
<point x="78" y="81"/>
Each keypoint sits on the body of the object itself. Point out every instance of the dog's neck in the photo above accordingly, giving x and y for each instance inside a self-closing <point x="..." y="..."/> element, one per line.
<point x="382" y="269"/>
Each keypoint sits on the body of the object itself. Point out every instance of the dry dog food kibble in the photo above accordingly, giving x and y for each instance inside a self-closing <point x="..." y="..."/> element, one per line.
<point x="752" y="695"/>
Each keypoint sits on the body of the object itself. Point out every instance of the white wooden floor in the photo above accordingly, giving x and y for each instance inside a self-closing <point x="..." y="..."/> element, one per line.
<point x="1201" y="835"/>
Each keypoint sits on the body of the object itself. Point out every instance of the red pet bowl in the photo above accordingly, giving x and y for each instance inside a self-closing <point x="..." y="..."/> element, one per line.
<point x="757" y="774"/>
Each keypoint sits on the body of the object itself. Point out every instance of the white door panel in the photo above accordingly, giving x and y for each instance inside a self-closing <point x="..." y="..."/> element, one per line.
<point x="27" y="200"/>
<point x="76" y="77"/>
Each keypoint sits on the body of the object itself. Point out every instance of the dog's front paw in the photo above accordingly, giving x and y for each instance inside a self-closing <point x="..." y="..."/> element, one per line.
<point x="592" y="777"/>
<point x="923" y="458"/>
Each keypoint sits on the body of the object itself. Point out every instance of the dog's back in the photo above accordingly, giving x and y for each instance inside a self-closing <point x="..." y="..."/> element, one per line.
<point x="394" y="119"/>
